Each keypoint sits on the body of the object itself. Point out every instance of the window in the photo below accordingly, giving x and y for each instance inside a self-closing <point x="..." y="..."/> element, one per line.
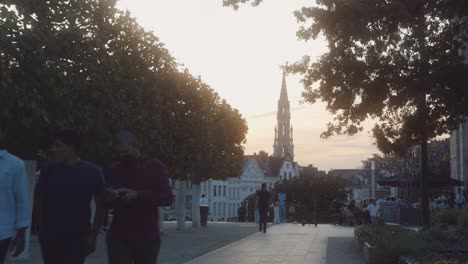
<point x="290" y="175"/>
<point x="287" y="165"/>
<point x="284" y="175"/>
<point x="224" y="191"/>
<point x="219" y="209"/>
<point x="224" y="209"/>
<point x="229" y="210"/>
<point x="219" y="190"/>
<point x="214" y="191"/>
<point x="188" y="202"/>
<point x="230" y="192"/>
<point x="214" y="208"/>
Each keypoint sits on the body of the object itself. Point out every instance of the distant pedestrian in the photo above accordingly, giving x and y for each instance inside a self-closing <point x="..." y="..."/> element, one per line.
<point x="372" y="209"/>
<point x="379" y="201"/>
<point x="15" y="212"/>
<point x="140" y="186"/>
<point x="63" y="201"/>
<point x="263" y="204"/>
<point x="451" y="200"/>
<point x="460" y="199"/>
<point x="276" y="212"/>
<point x="242" y="213"/>
<point x="282" y="207"/>
<point x="204" y="208"/>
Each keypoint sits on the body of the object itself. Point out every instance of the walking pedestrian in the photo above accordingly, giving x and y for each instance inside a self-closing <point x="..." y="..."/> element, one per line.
<point x="140" y="186"/>
<point x="242" y="212"/>
<point x="263" y="204"/>
<point x="15" y="214"/>
<point x="276" y="211"/>
<point x="460" y="198"/>
<point x="63" y="202"/>
<point x="372" y="209"/>
<point x="204" y="209"/>
<point x="282" y="207"/>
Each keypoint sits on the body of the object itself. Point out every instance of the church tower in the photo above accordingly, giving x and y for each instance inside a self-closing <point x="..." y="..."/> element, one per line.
<point x="283" y="146"/>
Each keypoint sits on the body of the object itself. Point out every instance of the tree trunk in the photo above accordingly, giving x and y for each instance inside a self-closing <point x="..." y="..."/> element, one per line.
<point x="195" y="200"/>
<point x="424" y="184"/>
<point x="180" y="205"/>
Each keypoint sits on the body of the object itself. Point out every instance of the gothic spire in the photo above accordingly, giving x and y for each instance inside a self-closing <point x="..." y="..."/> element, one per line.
<point x="284" y="90"/>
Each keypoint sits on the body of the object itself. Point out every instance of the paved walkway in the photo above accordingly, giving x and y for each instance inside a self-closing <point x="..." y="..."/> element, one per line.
<point x="241" y="243"/>
<point x="291" y="244"/>
<point x="177" y="247"/>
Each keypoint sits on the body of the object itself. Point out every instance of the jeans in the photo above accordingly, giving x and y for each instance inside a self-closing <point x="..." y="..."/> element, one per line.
<point x="282" y="213"/>
<point x="123" y="252"/>
<point x="204" y="215"/>
<point x="263" y="212"/>
<point x="4" y="245"/>
<point x="59" y="249"/>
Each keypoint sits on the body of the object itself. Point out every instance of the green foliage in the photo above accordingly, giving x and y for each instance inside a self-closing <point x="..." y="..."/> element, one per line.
<point x="90" y="66"/>
<point x="394" y="241"/>
<point x="319" y="191"/>
<point x="445" y="216"/>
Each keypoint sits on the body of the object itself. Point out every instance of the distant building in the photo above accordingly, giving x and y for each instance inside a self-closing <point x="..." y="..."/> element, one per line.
<point x="459" y="153"/>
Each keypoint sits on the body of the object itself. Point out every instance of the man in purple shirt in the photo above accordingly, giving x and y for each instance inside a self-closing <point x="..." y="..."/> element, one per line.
<point x="140" y="186"/>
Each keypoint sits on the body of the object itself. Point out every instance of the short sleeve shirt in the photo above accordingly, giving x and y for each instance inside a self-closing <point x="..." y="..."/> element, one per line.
<point x="67" y="192"/>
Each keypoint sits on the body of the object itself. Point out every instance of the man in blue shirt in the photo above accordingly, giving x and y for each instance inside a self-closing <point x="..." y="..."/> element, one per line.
<point x="64" y="193"/>
<point x="282" y="207"/>
<point x="15" y="214"/>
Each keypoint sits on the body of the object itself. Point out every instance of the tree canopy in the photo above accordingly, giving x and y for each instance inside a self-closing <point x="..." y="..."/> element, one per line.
<point x="87" y="65"/>
<point x="318" y="190"/>
<point x="384" y="58"/>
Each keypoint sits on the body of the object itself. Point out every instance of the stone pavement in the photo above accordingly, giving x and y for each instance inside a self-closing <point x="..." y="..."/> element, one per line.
<point x="241" y="243"/>
<point x="290" y="244"/>
<point x="177" y="247"/>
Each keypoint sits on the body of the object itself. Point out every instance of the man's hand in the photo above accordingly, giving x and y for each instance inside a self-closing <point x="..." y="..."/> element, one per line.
<point x="90" y="243"/>
<point x="127" y="194"/>
<point x="18" y="243"/>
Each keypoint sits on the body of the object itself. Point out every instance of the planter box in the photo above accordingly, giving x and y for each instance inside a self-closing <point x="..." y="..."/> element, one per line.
<point x="368" y="252"/>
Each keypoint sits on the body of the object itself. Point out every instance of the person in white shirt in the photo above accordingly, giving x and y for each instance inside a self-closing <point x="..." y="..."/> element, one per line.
<point x="372" y="210"/>
<point x="381" y="199"/>
<point x="204" y="206"/>
<point x="15" y="214"/>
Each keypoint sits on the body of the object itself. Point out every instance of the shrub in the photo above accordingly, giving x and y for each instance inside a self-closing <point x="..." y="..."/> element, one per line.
<point x="445" y="216"/>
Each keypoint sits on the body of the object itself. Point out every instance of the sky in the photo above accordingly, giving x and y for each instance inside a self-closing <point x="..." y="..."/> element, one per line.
<point x="239" y="54"/>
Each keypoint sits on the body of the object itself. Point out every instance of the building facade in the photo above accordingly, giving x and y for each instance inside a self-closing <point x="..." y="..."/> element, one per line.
<point x="459" y="153"/>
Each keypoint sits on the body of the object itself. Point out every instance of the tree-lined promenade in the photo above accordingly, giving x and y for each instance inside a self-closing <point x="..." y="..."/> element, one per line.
<point x="89" y="66"/>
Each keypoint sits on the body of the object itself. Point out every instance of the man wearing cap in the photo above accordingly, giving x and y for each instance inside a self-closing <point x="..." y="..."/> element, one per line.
<point x="15" y="215"/>
<point x="140" y="186"/>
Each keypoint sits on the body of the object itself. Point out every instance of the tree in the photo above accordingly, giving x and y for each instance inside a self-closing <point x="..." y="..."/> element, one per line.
<point x="406" y="167"/>
<point x="394" y="61"/>
<point x="87" y="65"/>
